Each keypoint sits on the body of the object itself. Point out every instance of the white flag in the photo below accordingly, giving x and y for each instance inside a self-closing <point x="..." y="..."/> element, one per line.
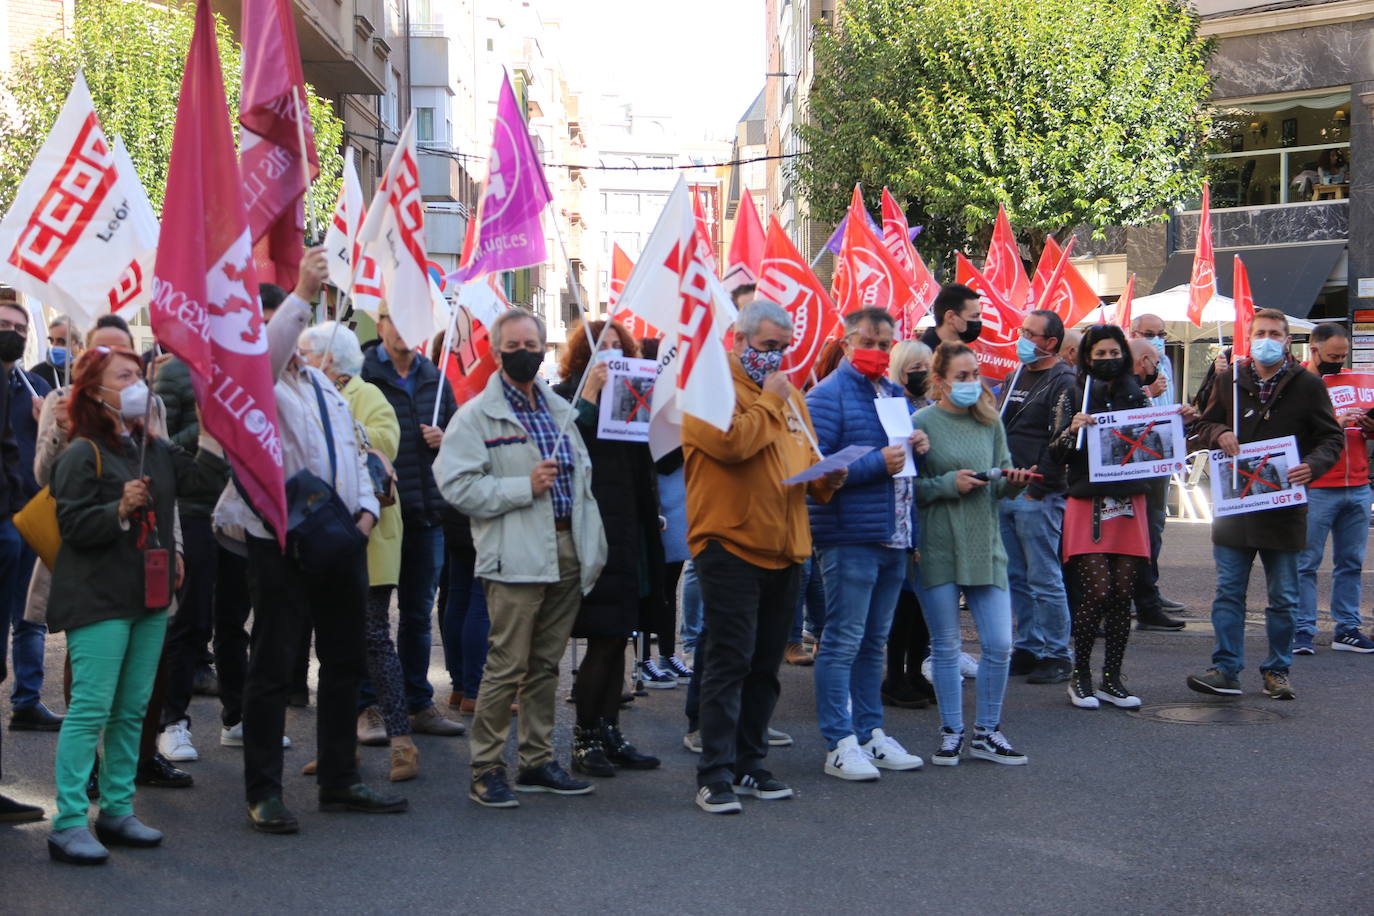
<point x="80" y="234"/>
<point x="341" y="239"/>
<point x="394" y="235"/>
<point x="673" y="288"/>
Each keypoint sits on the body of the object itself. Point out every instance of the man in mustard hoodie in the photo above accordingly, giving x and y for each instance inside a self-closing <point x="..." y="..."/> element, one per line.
<point x="748" y="533"/>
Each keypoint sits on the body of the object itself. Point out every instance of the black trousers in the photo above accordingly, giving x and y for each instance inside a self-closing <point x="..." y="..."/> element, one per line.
<point x="231" y="639"/>
<point x="283" y="596"/>
<point x="1146" y="592"/>
<point x="748" y="615"/>
<point x="188" y="633"/>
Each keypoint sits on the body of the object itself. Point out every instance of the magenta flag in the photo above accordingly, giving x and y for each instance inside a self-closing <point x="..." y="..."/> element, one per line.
<point x="274" y="119"/>
<point x="509" y="235"/>
<point x="205" y="305"/>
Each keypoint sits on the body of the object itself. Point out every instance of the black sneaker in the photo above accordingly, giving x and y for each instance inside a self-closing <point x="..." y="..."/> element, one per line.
<point x="1112" y="689"/>
<point x="993" y="745"/>
<point x="1170" y="604"/>
<point x="654" y="677"/>
<point x="492" y="791"/>
<point x="1051" y="671"/>
<point x="16" y="812"/>
<point x="1023" y="662"/>
<point x="718" y="798"/>
<point x="1081" y="690"/>
<point x="1214" y="682"/>
<point x="551" y="777"/>
<point x="951" y="748"/>
<point x="35" y="718"/>
<point x="1343" y="641"/>
<point x="676" y="667"/>
<point x="762" y="784"/>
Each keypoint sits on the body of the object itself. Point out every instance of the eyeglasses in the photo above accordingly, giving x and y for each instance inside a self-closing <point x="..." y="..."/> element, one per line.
<point x="1027" y="333"/>
<point x="1150" y="335"/>
<point x="21" y="329"/>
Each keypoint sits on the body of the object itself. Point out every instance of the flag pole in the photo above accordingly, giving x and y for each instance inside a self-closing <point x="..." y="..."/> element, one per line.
<point x="301" y="115"/>
<point x="1006" y="398"/>
<point x="596" y="346"/>
<point x="443" y="362"/>
<point x="1087" y="390"/>
<point x="1235" y="421"/>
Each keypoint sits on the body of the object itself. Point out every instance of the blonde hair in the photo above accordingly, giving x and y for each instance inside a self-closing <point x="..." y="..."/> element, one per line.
<point x="904" y="353"/>
<point x="984" y="410"/>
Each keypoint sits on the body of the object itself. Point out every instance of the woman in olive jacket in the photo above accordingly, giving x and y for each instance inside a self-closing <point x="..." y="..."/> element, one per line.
<point x="115" y="617"/>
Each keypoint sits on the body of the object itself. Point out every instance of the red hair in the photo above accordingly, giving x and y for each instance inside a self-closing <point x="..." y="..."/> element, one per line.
<point x="90" y="417"/>
<point x="578" y="352"/>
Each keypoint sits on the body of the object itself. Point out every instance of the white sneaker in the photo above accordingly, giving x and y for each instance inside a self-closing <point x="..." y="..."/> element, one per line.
<point x="233" y="737"/>
<point x="968" y="664"/>
<point x="928" y="673"/>
<point x="849" y="761"/>
<point x="884" y="752"/>
<point x="175" y="743"/>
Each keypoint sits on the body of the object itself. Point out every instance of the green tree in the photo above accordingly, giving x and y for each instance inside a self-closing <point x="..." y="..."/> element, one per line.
<point x="1068" y="112"/>
<point x="132" y="55"/>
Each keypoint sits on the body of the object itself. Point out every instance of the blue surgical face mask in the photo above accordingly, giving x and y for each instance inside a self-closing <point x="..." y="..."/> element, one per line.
<point x="1158" y="344"/>
<point x="965" y="394"/>
<point x="1027" y="351"/>
<point x="57" y="356"/>
<point x="1267" y="351"/>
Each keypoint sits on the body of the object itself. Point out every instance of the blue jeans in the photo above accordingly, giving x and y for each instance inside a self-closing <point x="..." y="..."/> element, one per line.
<point x="16" y="566"/>
<point x="1031" y="532"/>
<point x="811" y="601"/>
<point x="689" y="627"/>
<point x="1342" y="512"/>
<point x="991" y="609"/>
<point x="1228" y="609"/>
<point x="862" y="582"/>
<point x="464" y="626"/>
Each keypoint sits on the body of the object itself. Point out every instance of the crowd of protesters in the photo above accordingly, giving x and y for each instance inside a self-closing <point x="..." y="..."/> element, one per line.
<point x="528" y="529"/>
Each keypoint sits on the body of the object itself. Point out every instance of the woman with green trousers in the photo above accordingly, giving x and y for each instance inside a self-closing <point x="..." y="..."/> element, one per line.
<point x="110" y="591"/>
<point x="961" y="550"/>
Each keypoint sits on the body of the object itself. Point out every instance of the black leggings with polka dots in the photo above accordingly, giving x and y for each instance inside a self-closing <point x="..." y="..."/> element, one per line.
<point x="1100" y="589"/>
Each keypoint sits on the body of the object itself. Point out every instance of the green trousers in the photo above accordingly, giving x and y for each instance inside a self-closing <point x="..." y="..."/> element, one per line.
<point x="113" y="666"/>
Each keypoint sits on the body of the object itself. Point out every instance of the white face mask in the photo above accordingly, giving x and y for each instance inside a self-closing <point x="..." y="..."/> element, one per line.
<point x="133" y="401"/>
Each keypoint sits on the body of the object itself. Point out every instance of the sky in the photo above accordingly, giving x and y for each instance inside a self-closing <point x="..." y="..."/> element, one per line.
<point x="701" y="61"/>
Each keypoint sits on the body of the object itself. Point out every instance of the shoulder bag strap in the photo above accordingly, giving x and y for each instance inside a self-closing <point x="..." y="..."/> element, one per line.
<point x="328" y="433"/>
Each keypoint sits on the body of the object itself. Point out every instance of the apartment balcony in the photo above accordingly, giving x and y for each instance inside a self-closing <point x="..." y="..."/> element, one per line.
<point x="343" y="43"/>
<point x="441" y="177"/>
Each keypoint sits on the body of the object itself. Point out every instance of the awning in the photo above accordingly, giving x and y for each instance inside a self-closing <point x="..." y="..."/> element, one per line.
<point x="1287" y="277"/>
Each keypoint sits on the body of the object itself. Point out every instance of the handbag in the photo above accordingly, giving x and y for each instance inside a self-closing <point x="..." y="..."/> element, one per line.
<point x="37" y="520"/>
<point x="379" y="469"/>
<point x="320" y="531"/>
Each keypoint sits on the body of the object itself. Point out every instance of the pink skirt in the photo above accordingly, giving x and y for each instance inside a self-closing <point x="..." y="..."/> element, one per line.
<point x="1123" y="532"/>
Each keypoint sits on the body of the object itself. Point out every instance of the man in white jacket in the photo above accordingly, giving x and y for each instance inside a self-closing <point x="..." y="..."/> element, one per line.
<point x="510" y="463"/>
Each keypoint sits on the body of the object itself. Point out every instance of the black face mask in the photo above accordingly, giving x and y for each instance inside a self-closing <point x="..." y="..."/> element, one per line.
<point x="521" y="365"/>
<point x="971" y="331"/>
<point x="1105" y="370"/>
<point x="917" y="381"/>
<point x="1150" y="379"/>
<point x="1322" y="367"/>
<point x="11" y="346"/>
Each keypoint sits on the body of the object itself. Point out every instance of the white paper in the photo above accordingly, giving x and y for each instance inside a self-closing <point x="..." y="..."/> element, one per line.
<point x="895" y="415"/>
<point x="841" y="459"/>
<point x="1136" y="444"/>
<point x="626" y="398"/>
<point x="1263" y="478"/>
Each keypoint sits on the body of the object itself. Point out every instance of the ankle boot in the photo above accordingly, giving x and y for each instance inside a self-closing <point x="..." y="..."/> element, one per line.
<point x="621" y="752"/>
<point x="588" y="756"/>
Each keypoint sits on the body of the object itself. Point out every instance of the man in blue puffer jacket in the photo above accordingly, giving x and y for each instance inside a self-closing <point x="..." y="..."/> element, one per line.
<point x="864" y="538"/>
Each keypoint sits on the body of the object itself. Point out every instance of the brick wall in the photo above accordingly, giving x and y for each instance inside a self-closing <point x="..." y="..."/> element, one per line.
<point x="26" y="21"/>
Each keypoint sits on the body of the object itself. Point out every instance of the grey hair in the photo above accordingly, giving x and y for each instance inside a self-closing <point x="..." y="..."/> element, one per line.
<point x="904" y="353"/>
<point x="59" y="321"/>
<point x="753" y="315"/>
<point x="516" y="314"/>
<point x="347" y="352"/>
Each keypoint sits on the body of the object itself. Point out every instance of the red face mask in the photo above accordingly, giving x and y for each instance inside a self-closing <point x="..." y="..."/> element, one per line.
<point x="871" y="364"/>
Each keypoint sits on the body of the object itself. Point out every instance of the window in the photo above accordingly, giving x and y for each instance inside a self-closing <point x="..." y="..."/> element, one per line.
<point x="392" y="108"/>
<point x="625" y="204"/>
<point x="424" y="124"/>
<point x="1290" y="150"/>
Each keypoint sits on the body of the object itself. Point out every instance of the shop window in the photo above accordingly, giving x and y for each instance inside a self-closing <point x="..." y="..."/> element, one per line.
<point x="1291" y="150"/>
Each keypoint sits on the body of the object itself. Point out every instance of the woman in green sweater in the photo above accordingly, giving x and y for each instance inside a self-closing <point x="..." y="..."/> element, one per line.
<point x="961" y="550"/>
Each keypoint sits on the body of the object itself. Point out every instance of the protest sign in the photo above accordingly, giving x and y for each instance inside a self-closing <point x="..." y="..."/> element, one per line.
<point x="1135" y="444"/>
<point x="626" y="397"/>
<point x="895" y="415"/>
<point x="1350" y="390"/>
<point x="841" y="459"/>
<point x="1261" y="478"/>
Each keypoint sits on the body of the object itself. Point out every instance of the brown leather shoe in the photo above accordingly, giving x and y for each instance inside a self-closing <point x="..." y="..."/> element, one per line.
<point x="405" y="763"/>
<point x="795" y="654"/>
<point x="311" y="768"/>
<point x="455" y="700"/>
<point x="467" y="706"/>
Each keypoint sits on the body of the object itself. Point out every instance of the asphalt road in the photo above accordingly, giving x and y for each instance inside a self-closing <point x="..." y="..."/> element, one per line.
<point x="1115" y="813"/>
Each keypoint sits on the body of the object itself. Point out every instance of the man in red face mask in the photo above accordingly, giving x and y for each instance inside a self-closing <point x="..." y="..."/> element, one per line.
<point x="864" y="540"/>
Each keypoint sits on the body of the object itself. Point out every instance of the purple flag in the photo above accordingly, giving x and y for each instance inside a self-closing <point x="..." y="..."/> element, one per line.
<point x="832" y="244"/>
<point x="508" y="234"/>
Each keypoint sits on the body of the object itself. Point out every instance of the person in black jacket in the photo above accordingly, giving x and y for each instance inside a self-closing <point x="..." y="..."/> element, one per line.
<point x="411" y="384"/>
<point x="631" y="584"/>
<point x="1106" y="534"/>
<point x="1031" y="523"/>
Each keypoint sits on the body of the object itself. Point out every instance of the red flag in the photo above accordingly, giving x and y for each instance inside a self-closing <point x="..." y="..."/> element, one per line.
<point x="996" y="346"/>
<point x="272" y="112"/>
<point x="1070" y="297"/>
<point x="705" y="250"/>
<point x="205" y="305"/>
<point x="1123" y="305"/>
<point x="786" y="278"/>
<point x="866" y="275"/>
<point x="1202" y="285"/>
<point x="1245" y="311"/>
<point x="924" y="289"/>
<point x="746" y="245"/>
<point x="1003" y="266"/>
<point x="621" y="267"/>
